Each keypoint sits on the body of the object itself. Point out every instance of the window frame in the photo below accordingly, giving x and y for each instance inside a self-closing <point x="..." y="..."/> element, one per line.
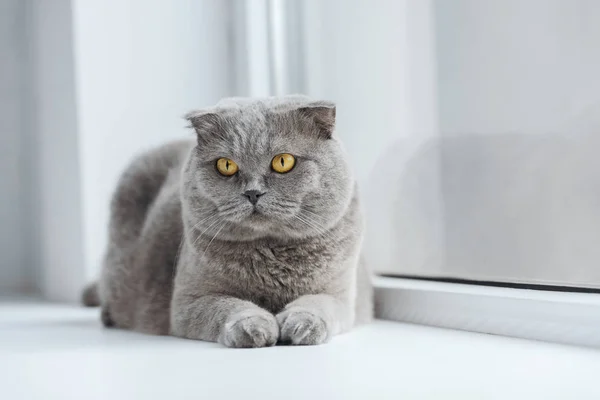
<point x="553" y="316"/>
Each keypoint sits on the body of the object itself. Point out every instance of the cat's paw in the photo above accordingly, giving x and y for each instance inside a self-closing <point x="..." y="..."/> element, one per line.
<point x="302" y="327"/>
<point x="250" y="329"/>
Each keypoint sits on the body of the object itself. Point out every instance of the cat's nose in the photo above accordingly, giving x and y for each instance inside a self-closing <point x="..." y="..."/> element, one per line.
<point x="252" y="195"/>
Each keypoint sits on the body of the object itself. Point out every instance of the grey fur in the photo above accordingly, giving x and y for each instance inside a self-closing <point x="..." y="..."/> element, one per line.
<point x="90" y="297"/>
<point x="189" y="256"/>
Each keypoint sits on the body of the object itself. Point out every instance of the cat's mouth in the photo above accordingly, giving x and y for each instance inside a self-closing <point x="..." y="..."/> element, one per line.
<point x="261" y="216"/>
<point x="257" y="220"/>
<point x="256" y="214"/>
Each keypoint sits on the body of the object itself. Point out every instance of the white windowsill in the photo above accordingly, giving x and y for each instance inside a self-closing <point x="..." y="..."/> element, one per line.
<point x="560" y="317"/>
<point x="50" y="351"/>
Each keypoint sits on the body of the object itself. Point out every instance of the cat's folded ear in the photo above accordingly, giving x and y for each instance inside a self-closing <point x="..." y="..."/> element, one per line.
<point x="322" y="113"/>
<point x="204" y="122"/>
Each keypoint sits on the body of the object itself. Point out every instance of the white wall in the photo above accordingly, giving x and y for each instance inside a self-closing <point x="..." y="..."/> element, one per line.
<point x="39" y="201"/>
<point x="13" y="272"/>
<point x="53" y="148"/>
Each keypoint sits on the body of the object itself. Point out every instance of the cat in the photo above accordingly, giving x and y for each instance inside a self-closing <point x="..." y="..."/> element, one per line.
<point x="248" y="236"/>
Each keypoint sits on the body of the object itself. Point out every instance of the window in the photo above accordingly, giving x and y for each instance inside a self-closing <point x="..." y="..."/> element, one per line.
<point x="507" y="189"/>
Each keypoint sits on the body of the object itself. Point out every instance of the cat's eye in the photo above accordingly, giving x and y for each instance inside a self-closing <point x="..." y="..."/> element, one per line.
<point x="226" y="166"/>
<point x="283" y="163"/>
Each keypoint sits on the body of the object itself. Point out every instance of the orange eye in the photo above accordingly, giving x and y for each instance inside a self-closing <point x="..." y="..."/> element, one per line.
<point x="283" y="163"/>
<point x="226" y="167"/>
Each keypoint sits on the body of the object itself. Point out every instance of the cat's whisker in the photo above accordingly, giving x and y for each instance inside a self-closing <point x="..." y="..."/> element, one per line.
<point x="312" y="219"/>
<point x="228" y="207"/>
<point x="213" y="238"/>
<point x="204" y="231"/>
<point x="315" y="227"/>
<point x="202" y="221"/>
<point x="322" y="229"/>
<point x="286" y="203"/>
<point x="303" y="221"/>
<point x="227" y="215"/>
<point x="208" y="223"/>
<point x="311" y="213"/>
<point x="197" y="224"/>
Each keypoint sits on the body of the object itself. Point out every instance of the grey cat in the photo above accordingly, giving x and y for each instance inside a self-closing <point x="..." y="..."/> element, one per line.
<point x="248" y="236"/>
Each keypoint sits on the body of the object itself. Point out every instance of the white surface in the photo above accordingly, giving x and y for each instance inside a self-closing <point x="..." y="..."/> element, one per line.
<point x="61" y="352"/>
<point x="559" y="317"/>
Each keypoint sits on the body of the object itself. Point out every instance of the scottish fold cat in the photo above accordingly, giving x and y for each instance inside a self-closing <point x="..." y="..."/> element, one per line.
<point x="248" y="235"/>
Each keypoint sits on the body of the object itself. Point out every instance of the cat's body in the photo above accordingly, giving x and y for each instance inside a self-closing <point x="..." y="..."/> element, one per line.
<point x="190" y="255"/>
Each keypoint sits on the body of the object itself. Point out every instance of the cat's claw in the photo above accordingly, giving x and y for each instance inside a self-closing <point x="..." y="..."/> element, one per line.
<point x="302" y="327"/>
<point x="258" y="330"/>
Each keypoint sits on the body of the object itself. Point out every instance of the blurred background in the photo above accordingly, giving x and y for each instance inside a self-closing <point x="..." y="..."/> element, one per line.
<point x="473" y="126"/>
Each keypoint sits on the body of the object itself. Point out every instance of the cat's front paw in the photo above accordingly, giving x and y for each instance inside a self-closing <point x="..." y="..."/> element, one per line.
<point x="250" y="329"/>
<point x="302" y="327"/>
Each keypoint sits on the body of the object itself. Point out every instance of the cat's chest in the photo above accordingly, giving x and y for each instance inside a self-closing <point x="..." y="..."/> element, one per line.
<point x="273" y="275"/>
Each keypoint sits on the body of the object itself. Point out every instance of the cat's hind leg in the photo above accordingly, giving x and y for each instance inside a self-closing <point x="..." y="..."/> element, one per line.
<point x="145" y="226"/>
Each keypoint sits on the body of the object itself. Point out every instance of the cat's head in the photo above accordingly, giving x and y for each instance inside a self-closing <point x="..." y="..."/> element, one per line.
<point x="265" y="168"/>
